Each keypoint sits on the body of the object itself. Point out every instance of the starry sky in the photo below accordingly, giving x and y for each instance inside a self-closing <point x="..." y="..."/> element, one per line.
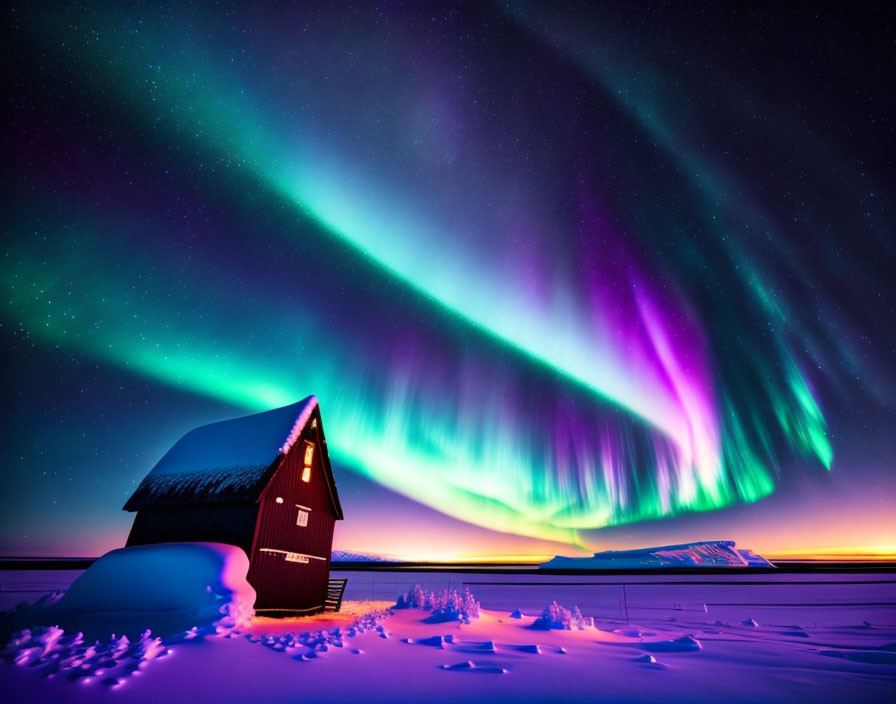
<point x="563" y="277"/>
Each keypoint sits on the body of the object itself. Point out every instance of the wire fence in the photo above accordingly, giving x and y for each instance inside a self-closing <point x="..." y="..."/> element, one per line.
<point x="624" y="601"/>
<point x="612" y="599"/>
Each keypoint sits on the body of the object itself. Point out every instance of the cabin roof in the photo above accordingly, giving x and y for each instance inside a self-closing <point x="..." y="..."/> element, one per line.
<point x="229" y="461"/>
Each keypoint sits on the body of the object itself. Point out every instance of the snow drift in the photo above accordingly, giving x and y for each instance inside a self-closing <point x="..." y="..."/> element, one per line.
<point x="709" y="553"/>
<point x="166" y="588"/>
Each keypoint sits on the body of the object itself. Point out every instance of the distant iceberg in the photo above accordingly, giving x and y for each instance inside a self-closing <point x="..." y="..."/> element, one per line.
<point x="708" y="553"/>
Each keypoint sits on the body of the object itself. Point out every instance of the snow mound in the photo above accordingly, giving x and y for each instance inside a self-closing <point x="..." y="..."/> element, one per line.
<point x="685" y="644"/>
<point x="875" y="657"/>
<point x="709" y="553"/>
<point x="167" y="588"/>
<point x="650" y="661"/>
<point x="532" y="648"/>
<point x="470" y="666"/>
<point x="434" y="641"/>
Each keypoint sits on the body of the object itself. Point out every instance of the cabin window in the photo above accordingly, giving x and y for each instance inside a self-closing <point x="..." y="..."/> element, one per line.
<point x="279" y="499"/>
<point x="309" y="455"/>
<point x="302" y="520"/>
<point x="314" y="423"/>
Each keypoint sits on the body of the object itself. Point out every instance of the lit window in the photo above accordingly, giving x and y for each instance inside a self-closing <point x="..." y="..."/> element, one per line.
<point x="314" y="423"/>
<point x="309" y="453"/>
<point x="306" y="474"/>
<point x="302" y="520"/>
<point x="279" y="499"/>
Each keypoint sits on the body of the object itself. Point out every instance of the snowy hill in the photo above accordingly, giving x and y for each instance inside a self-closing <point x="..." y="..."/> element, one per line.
<point x="347" y="556"/>
<point x="709" y="553"/>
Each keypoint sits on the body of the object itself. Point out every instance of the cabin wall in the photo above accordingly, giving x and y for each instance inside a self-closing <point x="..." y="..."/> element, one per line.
<point x="233" y="524"/>
<point x="283" y="584"/>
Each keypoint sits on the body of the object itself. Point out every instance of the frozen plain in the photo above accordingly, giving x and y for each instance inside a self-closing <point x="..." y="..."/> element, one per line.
<point x="817" y="637"/>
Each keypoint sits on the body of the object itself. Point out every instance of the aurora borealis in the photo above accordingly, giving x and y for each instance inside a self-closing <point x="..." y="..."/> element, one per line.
<point x="548" y="270"/>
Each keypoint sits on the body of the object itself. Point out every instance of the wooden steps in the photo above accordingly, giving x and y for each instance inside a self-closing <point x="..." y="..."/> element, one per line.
<point x="335" y="590"/>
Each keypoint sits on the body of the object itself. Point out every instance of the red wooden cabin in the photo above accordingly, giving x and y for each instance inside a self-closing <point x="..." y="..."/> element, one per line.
<point x="261" y="482"/>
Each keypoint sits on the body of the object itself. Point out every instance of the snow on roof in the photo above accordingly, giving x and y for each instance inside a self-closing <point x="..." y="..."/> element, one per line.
<point x="223" y="461"/>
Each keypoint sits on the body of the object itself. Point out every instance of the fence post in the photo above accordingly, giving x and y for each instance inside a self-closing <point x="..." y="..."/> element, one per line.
<point x="625" y="603"/>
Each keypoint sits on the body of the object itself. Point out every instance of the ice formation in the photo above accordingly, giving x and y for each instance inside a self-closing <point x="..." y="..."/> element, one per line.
<point x="709" y="553"/>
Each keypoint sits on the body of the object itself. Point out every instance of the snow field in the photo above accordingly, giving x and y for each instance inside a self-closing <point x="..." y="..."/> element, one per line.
<point x="773" y="653"/>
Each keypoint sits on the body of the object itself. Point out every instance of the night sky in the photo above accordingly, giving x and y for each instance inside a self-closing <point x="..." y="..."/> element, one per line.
<point x="563" y="278"/>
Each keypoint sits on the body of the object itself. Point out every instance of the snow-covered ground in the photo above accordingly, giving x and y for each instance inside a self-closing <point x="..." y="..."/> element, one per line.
<point x="694" y="638"/>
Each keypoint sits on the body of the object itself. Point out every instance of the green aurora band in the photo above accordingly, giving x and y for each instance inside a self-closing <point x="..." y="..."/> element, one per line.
<point x="648" y="424"/>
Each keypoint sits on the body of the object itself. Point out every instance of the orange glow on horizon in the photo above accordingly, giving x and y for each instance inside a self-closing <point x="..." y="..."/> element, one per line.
<point x="866" y="552"/>
<point x="859" y="554"/>
<point x="463" y="559"/>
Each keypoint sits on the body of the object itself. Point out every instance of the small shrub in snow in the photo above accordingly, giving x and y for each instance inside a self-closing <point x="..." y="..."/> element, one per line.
<point x="452" y="606"/>
<point x="447" y="606"/>
<point x="555" y="616"/>
<point x="414" y="599"/>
